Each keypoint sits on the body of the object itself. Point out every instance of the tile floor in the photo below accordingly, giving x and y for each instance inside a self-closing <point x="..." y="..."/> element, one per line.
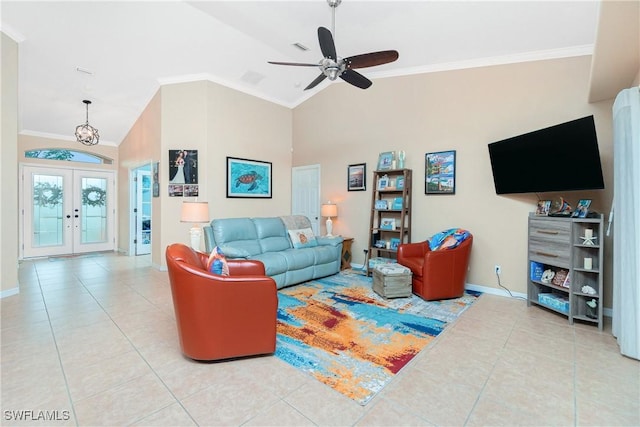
<point x="92" y="340"/>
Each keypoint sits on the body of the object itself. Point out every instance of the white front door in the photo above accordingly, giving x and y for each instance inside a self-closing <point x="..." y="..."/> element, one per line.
<point x="67" y="211"/>
<point x="305" y="194"/>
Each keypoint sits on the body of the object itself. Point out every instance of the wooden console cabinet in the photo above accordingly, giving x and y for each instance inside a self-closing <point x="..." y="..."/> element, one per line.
<point x="562" y="245"/>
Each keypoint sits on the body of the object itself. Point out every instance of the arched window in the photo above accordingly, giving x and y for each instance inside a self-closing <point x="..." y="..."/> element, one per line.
<point x="67" y="155"/>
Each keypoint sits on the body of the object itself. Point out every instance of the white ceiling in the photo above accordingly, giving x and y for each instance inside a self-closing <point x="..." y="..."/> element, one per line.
<point x="131" y="48"/>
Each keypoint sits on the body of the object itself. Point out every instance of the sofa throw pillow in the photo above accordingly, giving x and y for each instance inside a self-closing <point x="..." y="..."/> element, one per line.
<point x="217" y="263"/>
<point x="302" y="238"/>
<point x="448" y="239"/>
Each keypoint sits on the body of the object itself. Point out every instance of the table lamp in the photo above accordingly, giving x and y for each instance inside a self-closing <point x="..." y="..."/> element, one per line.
<point x="195" y="212"/>
<point x="329" y="210"/>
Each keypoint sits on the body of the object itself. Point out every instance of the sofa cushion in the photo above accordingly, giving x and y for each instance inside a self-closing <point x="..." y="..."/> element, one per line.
<point x="299" y="258"/>
<point x="274" y="262"/>
<point x="272" y="234"/>
<point x="240" y="232"/>
<point x="302" y="238"/>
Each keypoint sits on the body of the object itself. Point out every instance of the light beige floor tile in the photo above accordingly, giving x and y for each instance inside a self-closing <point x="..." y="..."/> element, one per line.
<point x="87" y="380"/>
<point x="280" y="414"/>
<point x="447" y="403"/>
<point x="185" y="377"/>
<point x="488" y="412"/>
<point x="227" y="403"/>
<point x="327" y="407"/>
<point x="125" y="403"/>
<point x="171" y="416"/>
<point x="385" y="413"/>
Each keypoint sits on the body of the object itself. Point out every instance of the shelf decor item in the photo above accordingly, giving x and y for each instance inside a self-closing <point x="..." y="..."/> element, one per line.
<point x="383" y="183"/>
<point x="388" y="224"/>
<point x="381" y="205"/>
<point x="357" y="177"/>
<point x="440" y="173"/>
<point x="582" y="208"/>
<point x="385" y="161"/>
<point x="248" y="178"/>
<point x="543" y="207"/>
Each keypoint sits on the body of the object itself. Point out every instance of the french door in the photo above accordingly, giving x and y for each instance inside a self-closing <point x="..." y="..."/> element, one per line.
<point x="67" y="211"/>
<point x="143" y="211"/>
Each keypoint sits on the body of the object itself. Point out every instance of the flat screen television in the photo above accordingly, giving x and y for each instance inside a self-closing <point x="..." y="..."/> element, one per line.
<point x="564" y="157"/>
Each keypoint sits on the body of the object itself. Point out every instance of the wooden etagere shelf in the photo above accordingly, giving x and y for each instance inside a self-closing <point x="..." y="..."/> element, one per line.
<point x="390" y="222"/>
<point x="574" y="246"/>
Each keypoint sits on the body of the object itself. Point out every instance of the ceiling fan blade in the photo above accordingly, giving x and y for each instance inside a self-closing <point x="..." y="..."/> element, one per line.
<point x="327" y="46"/>
<point x="297" y="64"/>
<point x="371" y="59"/>
<point x="315" y="83"/>
<point x="356" y="79"/>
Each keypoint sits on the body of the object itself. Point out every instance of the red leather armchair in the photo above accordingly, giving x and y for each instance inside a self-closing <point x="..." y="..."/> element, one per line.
<point x="436" y="274"/>
<point x="221" y="317"/>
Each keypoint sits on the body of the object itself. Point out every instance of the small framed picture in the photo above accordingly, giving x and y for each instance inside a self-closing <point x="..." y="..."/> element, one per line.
<point x="400" y="183"/>
<point x="381" y="205"/>
<point x="543" y="207"/>
<point x="385" y="161"/>
<point x="381" y="244"/>
<point x="395" y="242"/>
<point x="383" y="183"/>
<point x="357" y="177"/>
<point x="582" y="209"/>
<point x="388" y="224"/>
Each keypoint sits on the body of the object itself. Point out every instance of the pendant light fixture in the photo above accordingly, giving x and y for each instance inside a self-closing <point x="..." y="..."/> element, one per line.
<point x="87" y="134"/>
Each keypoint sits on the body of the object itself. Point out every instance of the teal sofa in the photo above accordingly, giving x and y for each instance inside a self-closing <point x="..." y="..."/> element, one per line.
<point x="268" y="240"/>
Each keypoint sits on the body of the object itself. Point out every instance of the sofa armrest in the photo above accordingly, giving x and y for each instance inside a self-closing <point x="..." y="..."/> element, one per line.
<point x="209" y="241"/>
<point x="329" y="241"/>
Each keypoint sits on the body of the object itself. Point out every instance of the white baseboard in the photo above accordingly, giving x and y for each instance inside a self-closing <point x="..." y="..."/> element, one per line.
<point x="9" y="292"/>
<point x="607" y="312"/>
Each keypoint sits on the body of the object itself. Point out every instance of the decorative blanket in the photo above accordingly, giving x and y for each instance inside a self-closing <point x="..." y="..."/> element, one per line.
<point x="448" y="239"/>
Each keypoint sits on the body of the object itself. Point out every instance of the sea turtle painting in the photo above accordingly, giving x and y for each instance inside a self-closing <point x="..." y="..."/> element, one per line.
<point x="252" y="178"/>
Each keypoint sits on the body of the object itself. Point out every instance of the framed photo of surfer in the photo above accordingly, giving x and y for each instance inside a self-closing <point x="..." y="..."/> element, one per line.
<point x="248" y="178"/>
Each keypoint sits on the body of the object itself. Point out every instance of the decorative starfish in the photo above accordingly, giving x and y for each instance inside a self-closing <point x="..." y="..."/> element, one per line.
<point x="588" y="241"/>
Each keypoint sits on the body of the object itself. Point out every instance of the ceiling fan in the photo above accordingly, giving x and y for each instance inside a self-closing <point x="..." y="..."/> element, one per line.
<point x="333" y="66"/>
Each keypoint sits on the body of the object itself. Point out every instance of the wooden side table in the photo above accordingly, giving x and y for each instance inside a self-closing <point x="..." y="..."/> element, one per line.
<point x="346" y="253"/>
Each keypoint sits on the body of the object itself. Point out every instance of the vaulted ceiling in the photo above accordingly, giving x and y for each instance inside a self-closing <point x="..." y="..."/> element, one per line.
<point x="117" y="54"/>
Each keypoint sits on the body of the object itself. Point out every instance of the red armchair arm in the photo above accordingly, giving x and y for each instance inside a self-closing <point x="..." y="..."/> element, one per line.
<point x="410" y="250"/>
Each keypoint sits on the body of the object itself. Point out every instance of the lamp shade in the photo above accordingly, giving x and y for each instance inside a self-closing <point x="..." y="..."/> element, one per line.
<point x="329" y="210"/>
<point x="195" y="212"/>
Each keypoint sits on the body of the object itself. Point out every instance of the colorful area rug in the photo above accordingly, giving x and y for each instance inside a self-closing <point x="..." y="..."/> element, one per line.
<point x="342" y="333"/>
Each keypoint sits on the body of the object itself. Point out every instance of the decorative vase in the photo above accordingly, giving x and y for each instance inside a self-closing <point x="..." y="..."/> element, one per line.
<point x="400" y="157"/>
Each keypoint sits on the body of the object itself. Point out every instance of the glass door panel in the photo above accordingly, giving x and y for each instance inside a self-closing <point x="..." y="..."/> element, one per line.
<point x="93" y="205"/>
<point x="48" y="220"/>
<point x="67" y="211"/>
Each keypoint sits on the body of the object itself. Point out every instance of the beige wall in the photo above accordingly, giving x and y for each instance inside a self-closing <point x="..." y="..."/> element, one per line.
<point x="9" y="169"/>
<point x="456" y="110"/>
<point x="140" y="147"/>
<point x="218" y="122"/>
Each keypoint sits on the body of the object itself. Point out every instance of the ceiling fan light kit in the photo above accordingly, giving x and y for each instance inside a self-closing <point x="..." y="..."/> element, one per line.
<point x="87" y="134"/>
<point x="332" y="66"/>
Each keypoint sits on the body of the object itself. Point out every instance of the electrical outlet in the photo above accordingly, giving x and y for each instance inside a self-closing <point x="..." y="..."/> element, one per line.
<point x="497" y="269"/>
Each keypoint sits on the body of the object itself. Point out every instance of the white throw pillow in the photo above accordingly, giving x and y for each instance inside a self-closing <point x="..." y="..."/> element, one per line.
<point x="302" y="238"/>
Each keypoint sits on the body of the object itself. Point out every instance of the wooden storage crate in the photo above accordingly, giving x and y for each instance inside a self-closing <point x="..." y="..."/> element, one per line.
<point x="392" y="281"/>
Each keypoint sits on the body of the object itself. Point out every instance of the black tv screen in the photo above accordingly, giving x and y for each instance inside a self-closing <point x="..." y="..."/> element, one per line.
<point x="564" y="157"/>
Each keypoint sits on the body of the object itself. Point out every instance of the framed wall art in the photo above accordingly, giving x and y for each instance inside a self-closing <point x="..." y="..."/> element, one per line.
<point x="440" y="173"/>
<point x="357" y="177"/>
<point x="248" y="178"/>
<point x="183" y="166"/>
<point x="385" y="160"/>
